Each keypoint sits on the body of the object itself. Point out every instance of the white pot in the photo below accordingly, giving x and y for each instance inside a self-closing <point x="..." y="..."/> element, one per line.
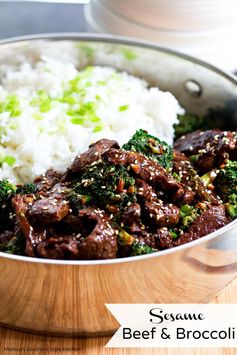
<point x="215" y="45"/>
<point x="175" y="14"/>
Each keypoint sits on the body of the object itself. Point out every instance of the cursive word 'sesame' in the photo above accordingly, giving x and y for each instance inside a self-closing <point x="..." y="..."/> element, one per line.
<point x="158" y="316"/>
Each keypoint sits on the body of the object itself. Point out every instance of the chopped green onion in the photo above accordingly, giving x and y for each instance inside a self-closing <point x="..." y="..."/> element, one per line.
<point x="9" y="160"/>
<point x="101" y="82"/>
<point x="88" y="51"/>
<point x="11" y="104"/>
<point x="125" y="238"/>
<point x="68" y="98"/>
<point x="187" y="220"/>
<point x="78" y="120"/>
<point x="176" y="176"/>
<point x="123" y="108"/>
<point x="186" y="210"/>
<point x="85" y="115"/>
<point x="129" y="54"/>
<point x="16" y="113"/>
<point x="37" y="116"/>
<point x="94" y="118"/>
<point x="174" y="234"/>
<point x="209" y="177"/>
<point x="43" y="101"/>
<point x="98" y="128"/>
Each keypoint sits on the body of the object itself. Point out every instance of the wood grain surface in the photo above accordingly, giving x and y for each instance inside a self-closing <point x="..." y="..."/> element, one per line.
<point x="15" y="342"/>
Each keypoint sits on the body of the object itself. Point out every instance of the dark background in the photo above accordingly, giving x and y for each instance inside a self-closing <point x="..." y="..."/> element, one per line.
<point x="22" y="18"/>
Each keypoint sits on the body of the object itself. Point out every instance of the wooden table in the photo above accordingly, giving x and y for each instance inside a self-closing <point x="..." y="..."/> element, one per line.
<point x="93" y="346"/>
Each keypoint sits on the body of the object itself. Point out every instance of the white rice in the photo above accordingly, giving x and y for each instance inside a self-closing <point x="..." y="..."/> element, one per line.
<point x="50" y="112"/>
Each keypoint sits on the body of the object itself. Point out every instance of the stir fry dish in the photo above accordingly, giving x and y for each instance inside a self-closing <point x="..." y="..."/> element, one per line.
<point x="115" y="202"/>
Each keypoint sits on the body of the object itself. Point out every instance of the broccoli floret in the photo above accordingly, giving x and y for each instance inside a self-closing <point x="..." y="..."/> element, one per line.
<point x="105" y="184"/>
<point x="78" y="201"/>
<point x="26" y="189"/>
<point x="189" y="123"/>
<point x="15" y="246"/>
<point x="7" y="191"/>
<point x="231" y="206"/>
<point x="141" y="249"/>
<point x="226" y="187"/>
<point x="151" y="147"/>
<point x="188" y="215"/>
<point x="226" y="181"/>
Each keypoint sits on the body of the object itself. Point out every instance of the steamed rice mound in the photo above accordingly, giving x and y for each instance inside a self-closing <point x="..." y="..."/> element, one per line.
<point x="51" y="112"/>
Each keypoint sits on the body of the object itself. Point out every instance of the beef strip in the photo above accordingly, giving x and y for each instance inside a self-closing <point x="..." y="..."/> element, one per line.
<point x="189" y="177"/>
<point x="156" y="211"/>
<point x="90" y="156"/>
<point x="147" y="238"/>
<point x="52" y="231"/>
<point x="217" y="151"/>
<point x="131" y="219"/>
<point x="101" y="243"/>
<point x="48" y="210"/>
<point x="164" y="238"/>
<point x="96" y="240"/>
<point x="147" y="170"/>
<point x="191" y="143"/>
<point x="131" y="214"/>
<point x="73" y="224"/>
<point x="34" y="235"/>
<point x="58" y="247"/>
<point x="46" y="181"/>
<point x="52" y="208"/>
<point x="209" y="221"/>
<point x="211" y="147"/>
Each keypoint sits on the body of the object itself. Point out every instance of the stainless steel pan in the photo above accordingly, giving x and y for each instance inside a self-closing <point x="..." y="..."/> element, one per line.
<point x="69" y="297"/>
